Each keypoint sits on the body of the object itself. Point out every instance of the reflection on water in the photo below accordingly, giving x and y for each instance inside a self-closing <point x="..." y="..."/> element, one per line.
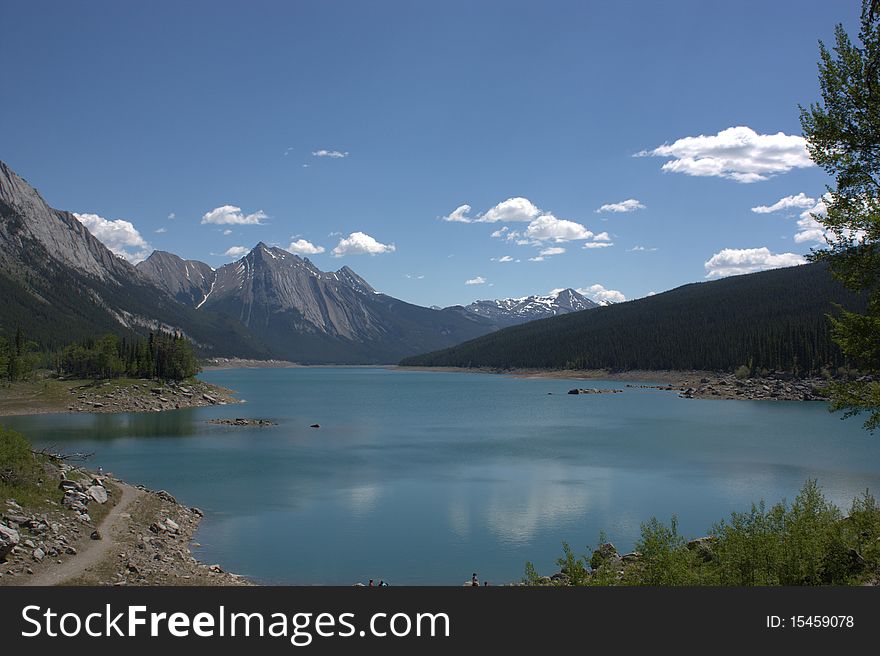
<point x="421" y="477"/>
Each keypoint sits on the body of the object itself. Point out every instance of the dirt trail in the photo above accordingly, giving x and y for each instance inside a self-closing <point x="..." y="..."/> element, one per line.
<point x="94" y="551"/>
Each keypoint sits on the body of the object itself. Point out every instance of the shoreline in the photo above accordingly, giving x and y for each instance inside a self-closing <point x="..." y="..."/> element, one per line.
<point x="105" y="532"/>
<point x="130" y="395"/>
<point x="694" y="384"/>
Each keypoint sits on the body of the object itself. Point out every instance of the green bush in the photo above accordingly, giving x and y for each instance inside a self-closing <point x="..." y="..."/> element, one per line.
<point x="742" y="372"/>
<point x="806" y="543"/>
<point x="19" y="468"/>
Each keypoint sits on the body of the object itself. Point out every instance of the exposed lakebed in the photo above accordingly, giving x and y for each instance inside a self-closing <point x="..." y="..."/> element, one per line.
<point x="425" y="477"/>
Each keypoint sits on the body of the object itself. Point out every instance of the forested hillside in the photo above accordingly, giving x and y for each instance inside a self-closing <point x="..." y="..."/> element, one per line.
<point x="773" y="320"/>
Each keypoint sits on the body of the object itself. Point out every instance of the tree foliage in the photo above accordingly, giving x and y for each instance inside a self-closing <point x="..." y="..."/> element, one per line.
<point x="807" y="542"/>
<point x="843" y="137"/>
<point x="162" y="355"/>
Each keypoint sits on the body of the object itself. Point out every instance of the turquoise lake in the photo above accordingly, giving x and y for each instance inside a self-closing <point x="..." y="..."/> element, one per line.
<point x="424" y="477"/>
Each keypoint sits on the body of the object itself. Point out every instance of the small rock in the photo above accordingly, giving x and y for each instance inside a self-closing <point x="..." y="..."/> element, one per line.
<point x="38" y="555"/>
<point x="95" y="535"/>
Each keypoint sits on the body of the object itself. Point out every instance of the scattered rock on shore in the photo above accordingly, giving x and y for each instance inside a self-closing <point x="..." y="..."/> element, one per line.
<point x="241" y="421"/>
<point x="147" y="396"/>
<point x="593" y="390"/>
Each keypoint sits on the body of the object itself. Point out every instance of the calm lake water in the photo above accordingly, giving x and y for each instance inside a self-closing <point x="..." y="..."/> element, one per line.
<point x="424" y="477"/>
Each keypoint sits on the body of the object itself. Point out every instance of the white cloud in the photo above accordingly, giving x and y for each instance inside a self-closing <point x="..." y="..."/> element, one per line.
<point x="553" y="250"/>
<point x="500" y="232"/>
<point x="736" y="261"/>
<point x="479" y="280"/>
<point x="602" y="236"/>
<point x="737" y="153"/>
<point x="160" y="231"/>
<point x="801" y="201"/>
<point x="809" y="229"/>
<point x="120" y="236"/>
<point x="227" y="231"/>
<point x="503" y="258"/>
<point x="512" y="209"/>
<point x="332" y="154"/>
<point x="231" y="215"/>
<point x="628" y="205"/>
<point x="598" y="244"/>
<point x="172" y="216"/>
<point x="303" y="247"/>
<point x="359" y="243"/>
<point x="599" y="294"/>
<point x="459" y="215"/>
<point x="548" y="227"/>
<point x="640" y="249"/>
<point x="237" y="251"/>
<point x="539" y="258"/>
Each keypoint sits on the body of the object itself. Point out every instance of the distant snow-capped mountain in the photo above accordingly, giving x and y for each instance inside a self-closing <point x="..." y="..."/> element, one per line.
<point x="511" y="311"/>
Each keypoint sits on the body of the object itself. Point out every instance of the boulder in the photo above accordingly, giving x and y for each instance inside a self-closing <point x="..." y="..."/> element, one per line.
<point x="9" y="539"/>
<point x="38" y="554"/>
<point x="98" y="493"/>
<point x="172" y="526"/>
<point x="604" y="555"/>
<point x="704" y="547"/>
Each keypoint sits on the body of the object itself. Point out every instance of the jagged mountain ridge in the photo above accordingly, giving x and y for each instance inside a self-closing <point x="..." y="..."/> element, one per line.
<point x="513" y="311"/>
<point x="58" y="282"/>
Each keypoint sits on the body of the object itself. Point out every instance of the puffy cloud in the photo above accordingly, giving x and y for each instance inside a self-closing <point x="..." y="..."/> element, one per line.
<point x="360" y="243"/>
<point x="737" y="153"/>
<point x="547" y="227"/>
<point x="237" y="251"/>
<point x="459" y="215"/>
<point x="303" y="247"/>
<point x="809" y="229"/>
<point x="801" y="201"/>
<point x="479" y="280"/>
<point x="602" y="236"/>
<point x="628" y="205"/>
<point x="601" y="295"/>
<point x="538" y="258"/>
<point x="553" y="250"/>
<point x="736" y="261"/>
<point x="332" y="154"/>
<point x="232" y="215"/>
<point x="512" y="209"/>
<point x="120" y="236"/>
<point x="598" y="244"/>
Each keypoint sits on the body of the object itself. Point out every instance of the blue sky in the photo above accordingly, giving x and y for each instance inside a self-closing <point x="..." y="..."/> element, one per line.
<point x="355" y="127"/>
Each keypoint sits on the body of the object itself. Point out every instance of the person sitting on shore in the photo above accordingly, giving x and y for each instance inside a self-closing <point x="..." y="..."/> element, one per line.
<point x="474" y="581"/>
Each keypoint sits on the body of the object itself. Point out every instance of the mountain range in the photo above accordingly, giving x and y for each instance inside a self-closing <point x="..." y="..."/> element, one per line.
<point x="61" y="283"/>
<point x="773" y="320"/>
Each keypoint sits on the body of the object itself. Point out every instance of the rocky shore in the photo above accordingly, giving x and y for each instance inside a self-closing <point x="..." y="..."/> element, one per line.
<point x="780" y="387"/>
<point x="146" y="396"/>
<point x="98" y="530"/>
<point x="243" y="421"/>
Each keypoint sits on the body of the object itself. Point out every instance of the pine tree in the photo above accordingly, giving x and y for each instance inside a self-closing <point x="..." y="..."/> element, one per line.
<point x="843" y="137"/>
